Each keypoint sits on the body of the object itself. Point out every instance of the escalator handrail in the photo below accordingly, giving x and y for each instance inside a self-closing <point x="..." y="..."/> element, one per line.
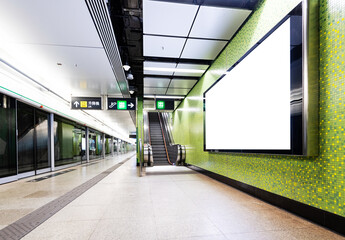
<point x="166" y="150"/>
<point x="148" y="125"/>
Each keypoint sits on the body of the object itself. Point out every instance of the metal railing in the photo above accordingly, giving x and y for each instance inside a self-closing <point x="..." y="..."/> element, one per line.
<point x="148" y="156"/>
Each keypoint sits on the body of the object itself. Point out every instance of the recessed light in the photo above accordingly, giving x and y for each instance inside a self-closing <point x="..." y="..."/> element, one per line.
<point x="164" y="96"/>
<point x="126" y="67"/>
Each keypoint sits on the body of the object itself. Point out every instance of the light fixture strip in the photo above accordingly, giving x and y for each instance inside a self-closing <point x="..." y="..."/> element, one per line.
<point x="181" y="70"/>
<point x="164" y="96"/>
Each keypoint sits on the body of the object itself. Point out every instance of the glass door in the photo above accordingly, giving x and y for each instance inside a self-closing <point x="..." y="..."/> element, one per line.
<point x="83" y="147"/>
<point x="79" y="144"/>
<point x="41" y="140"/>
<point x="33" y="153"/>
<point x="26" y="132"/>
<point x="8" y="161"/>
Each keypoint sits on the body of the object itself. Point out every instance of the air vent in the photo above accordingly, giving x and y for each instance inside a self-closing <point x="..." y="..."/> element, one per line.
<point x="101" y="18"/>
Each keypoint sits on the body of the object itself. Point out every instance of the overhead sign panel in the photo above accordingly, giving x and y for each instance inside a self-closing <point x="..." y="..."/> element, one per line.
<point x="163" y="104"/>
<point x="122" y="104"/>
<point x="86" y="103"/>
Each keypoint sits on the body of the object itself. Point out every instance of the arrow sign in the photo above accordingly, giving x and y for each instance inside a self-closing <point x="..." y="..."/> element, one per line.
<point x="122" y="104"/>
<point x="131" y="105"/>
<point x="86" y="103"/>
<point x="76" y="104"/>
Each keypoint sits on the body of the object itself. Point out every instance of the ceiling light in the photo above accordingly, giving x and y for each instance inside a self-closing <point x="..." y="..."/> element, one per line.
<point x="126" y="67"/>
<point x="164" y="96"/>
<point x="174" y="70"/>
<point x="132" y="89"/>
<point x="130" y="76"/>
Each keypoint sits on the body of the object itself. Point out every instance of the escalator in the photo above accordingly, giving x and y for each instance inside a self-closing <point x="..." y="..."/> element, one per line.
<point x="158" y="143"/>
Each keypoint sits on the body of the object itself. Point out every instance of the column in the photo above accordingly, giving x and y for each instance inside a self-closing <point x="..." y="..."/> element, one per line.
<point x="51" y="140"/>
<point x="103" y="145"/>
<point x="112" y="146"/>
<point x="87" y="150"/>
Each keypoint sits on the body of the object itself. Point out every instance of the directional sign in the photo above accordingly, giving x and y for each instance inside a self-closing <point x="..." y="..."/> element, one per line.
<point x="163" y="104"/>
<point x="87" y="103"/>
<point x="122" y="104"/>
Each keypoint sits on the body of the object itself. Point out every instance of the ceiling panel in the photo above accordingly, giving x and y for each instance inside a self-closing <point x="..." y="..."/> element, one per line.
<point x="202" y="49"/>
<point x="182" y="83"/>
<point x="218" y="23"/>
<point x="155" y="46"/>
<point x="164" y="18"/>
<point x="81" y="71"/>
<point x="178" y="91"/>
<point x="62" y="22"/>
<point x="37" y="35"/>
<point x="156" y="82"/>
<point x="154" y="90"/>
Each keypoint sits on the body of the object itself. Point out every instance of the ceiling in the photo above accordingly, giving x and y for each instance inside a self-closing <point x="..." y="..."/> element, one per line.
<point x="58" y="44"/>
<point x="180" y="40"/>
<point x="69" y="47"/>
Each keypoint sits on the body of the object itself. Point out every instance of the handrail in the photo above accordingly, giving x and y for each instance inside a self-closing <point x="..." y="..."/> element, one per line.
<point x="168" y="130"/>
<point x="166" y="150"/>
<point x="148" y="125"/>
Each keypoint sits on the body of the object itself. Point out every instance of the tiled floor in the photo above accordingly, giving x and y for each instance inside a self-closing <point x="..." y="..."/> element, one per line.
<point x="167" y="203"/>
<point x="22" y="197"/>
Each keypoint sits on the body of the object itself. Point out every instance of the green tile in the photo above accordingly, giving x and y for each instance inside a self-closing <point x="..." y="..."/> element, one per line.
<point x="316" y="181"/>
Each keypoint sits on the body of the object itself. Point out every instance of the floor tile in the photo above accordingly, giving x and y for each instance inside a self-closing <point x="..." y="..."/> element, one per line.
<point x="63" y="230"/>
<point x="168" y="203"/>
<point x="171" y="227"/>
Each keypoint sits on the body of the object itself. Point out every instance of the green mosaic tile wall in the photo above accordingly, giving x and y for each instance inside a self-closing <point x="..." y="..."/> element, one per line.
<point x="316" y="181"/>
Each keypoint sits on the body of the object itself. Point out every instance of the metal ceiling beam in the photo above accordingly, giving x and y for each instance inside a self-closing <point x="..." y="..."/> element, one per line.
<point x="171" y="77"/>
<point x="178" y="60"/>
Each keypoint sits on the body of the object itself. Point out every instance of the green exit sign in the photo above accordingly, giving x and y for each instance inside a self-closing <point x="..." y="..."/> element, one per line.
<point x="122" y="105"/>
<point x="160" y="105"/>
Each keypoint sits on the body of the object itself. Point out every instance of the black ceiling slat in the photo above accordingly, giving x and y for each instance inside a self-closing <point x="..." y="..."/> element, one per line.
<point x="178" y="60"/>
<point x="171" y="77"/>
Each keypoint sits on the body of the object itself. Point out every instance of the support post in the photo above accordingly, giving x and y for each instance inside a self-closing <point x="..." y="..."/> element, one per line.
<point x="112" y="146"/>
<point x="51" y="141"/>
<point x="103" y="145"/>
<point x="87" y="148"/>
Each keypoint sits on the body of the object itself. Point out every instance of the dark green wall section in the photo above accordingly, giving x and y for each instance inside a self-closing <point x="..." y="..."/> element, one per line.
<point x="66" y="143"/>
<point x="316" y="181"/>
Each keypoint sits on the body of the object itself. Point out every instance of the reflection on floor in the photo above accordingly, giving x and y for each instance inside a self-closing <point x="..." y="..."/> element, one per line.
<point x="167" y="203"/>
<point x="19" y="198"/>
